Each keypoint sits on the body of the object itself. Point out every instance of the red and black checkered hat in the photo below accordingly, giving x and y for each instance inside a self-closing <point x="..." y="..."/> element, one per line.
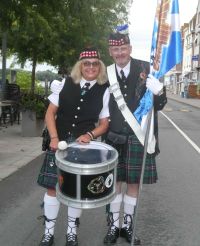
<point x="89" y="53"/>
<point x="118" y="39"/>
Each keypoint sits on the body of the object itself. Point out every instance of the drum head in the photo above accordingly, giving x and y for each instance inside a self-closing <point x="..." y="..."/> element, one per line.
<point x="86" y="158"/>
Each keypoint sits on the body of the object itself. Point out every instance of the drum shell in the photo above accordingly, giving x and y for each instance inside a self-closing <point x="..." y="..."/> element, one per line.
<point x="77" y="182"/>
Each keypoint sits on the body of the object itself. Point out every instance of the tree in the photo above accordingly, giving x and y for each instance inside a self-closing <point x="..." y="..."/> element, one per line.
<point x="87" y="22"/>
<point x="7" y="16"/>
<point x="56" y="32"/>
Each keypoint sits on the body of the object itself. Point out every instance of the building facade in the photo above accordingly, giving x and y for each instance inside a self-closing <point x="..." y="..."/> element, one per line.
<point x="186" y="76"/>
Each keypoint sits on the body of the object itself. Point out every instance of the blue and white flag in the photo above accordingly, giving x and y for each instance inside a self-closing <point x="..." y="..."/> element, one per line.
<point x="166" y="50"/>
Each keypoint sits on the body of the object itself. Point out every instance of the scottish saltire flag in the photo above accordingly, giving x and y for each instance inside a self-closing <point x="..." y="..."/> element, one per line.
<point x="166" y="50"/>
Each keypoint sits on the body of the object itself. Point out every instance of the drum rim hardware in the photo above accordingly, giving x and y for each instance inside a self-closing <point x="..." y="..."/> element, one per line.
<point x="85" y="168"/>
<point x="93" y="184"/>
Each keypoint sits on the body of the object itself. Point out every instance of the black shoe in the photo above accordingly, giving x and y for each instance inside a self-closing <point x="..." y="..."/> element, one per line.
<point x="71" y="240"/>
<point x="126" y="232"/>
<point x="47" y="240"/>
<point x="112" y="235"/>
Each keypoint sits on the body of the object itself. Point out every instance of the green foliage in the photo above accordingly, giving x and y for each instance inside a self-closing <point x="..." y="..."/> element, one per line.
<point x="23" y="79"/>
<point x="7" y="74"/>
<point x="34" y="102"/>
<point x="30" y="101"/>
<point x="56" y="31"/>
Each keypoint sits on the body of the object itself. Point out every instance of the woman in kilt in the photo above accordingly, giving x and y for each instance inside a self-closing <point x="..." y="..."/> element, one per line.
<point x="132" y="78"/>
<point x="76" y="105"/>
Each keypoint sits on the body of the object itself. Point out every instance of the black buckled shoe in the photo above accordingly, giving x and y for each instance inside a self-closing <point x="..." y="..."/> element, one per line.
<point x="71" y="239"/>
<point x="126" y="232"/>
<point x="112" y="235"/>
<point x="47" y="240"/>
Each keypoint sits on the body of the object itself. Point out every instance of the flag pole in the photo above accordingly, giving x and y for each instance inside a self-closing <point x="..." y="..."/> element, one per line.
<point x="161" y="64"/>
<point x="149" y="117"/>
<point x="141" y="175"/>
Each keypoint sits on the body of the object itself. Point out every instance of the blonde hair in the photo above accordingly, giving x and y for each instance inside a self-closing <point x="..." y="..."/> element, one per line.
<point x="77" y="75"/>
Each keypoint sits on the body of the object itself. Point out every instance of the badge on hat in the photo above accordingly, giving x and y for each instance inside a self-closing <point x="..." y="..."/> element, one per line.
<point x="120" y="37"/>
<point x="122" y="29"/>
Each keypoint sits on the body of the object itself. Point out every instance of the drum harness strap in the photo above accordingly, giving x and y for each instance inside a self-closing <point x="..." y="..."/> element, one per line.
<point x="127" y="114"/>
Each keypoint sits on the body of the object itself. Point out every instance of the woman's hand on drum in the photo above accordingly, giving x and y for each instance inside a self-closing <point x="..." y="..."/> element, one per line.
<point x="83" y="139"/>
<point x="54" y="144"/>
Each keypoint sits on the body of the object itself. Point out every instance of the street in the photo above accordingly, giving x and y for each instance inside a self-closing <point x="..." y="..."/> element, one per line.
<point x="168" y="215"/>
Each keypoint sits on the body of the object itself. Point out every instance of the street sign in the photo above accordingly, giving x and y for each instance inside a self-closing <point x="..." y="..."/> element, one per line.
<point x="195" y="58"/>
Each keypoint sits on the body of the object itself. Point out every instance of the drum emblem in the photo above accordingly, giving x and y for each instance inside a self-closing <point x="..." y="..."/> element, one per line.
<point x="109" y="181"/>
<point x="96" y="186"/>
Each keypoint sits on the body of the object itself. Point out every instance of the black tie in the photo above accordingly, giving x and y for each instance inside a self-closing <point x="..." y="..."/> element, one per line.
<point x="85" y="88"/>
<point x="123" y="76"/>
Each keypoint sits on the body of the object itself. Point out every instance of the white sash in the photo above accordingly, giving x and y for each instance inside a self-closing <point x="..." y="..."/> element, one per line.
<point x="139" y="130"/>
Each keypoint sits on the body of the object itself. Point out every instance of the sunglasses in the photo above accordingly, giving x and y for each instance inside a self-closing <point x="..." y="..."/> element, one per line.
<point x="91" y="64"/>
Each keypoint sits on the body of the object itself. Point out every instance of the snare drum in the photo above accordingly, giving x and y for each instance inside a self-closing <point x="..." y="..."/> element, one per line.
<point x="86" y="174"/>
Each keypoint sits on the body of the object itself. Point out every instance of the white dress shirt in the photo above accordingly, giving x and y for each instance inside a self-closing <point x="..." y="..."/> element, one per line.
<point x="125" y="69"/>
<point x="56" y="87"/>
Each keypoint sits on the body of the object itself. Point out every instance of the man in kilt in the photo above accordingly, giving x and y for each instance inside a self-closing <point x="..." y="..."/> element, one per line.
<point x="76" y="105"/>
<point x="133" y="82"/>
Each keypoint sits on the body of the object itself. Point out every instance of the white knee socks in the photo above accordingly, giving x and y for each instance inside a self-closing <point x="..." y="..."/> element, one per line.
<point x="129" y="205"/>
<point x="73" y="213"/>
<point x="115" y="209"/>
<point x="51" y="208"/>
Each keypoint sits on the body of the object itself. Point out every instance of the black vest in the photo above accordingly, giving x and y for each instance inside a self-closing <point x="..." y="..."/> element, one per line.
<point x="78" y="114"/>
<point x="132" y="90"/>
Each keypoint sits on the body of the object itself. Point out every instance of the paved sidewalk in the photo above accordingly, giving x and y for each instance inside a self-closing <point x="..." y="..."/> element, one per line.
<point x="195" y="102"/>
<point x="17" y="151"/>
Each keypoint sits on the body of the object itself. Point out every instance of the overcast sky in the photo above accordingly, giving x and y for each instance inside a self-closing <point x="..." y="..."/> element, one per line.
<point x="142" y="16"/>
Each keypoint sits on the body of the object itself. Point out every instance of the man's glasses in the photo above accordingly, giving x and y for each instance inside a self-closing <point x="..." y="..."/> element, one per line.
<point x="91" y="64"/>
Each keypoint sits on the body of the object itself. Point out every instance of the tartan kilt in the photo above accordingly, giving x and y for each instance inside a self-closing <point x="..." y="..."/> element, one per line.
<point x="130" y="162"/>
<point x="48" y="173"/>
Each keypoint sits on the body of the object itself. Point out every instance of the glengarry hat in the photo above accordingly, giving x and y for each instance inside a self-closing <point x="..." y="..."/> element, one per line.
<point x="90" y="52"/>
<point x="120" y="37"/>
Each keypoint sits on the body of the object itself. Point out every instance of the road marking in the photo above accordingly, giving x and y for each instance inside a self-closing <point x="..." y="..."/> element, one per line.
<point x="167" y="109"/>
<point x="184" y="110"/>
<point x="182" y="133"/>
